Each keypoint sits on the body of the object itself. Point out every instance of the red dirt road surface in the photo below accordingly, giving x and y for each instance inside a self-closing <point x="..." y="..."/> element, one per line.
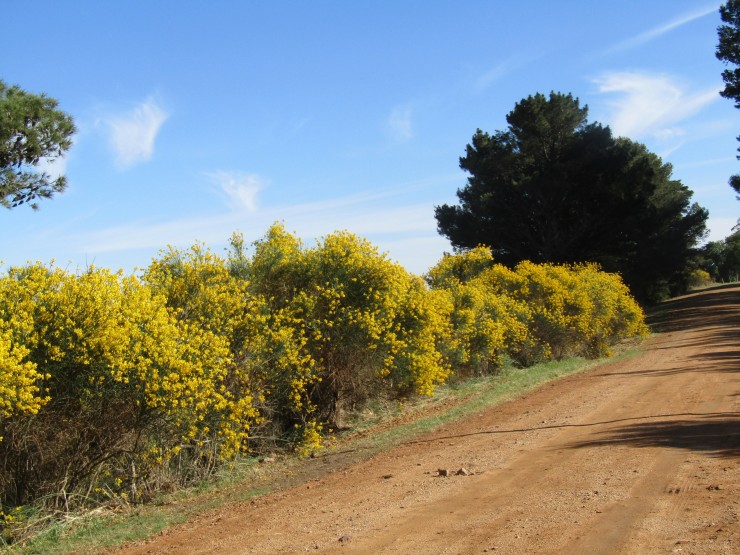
<point x="638" y="456"/>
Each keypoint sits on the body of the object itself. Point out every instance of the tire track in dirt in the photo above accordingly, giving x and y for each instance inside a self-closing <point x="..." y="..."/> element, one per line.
<point x="636" y="456"/>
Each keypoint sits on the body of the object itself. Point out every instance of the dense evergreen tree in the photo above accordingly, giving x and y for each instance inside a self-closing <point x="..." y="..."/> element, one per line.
<point x="31" y="130"/>
<point x="555" y="188"/>
<point x="728" y="51"/>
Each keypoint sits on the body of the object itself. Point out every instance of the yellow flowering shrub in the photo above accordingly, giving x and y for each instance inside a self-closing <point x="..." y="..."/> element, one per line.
<point x="20" y="378"/>
<point x="416" y="363"/>
<point x="268" y="372"/>
<point x="110" y="383"/>
<point x="19" y="391"/>
<point x="362" y="324"/>
<point x="124" y="383"/>
<point x="486" y="328"/>
<point x="276" y="268"/>
<point x="367" y="323"/>
<point x="108" y="335"/>
<point x="532" y="312"/>
<point x="559" y="309"/>
<point x="573" y="310"/>
<point x="486" y="323"/>
<point x="613" y="314"/>
<point x="459" y="268"/>
<point x="699" y="278"/>
<point x="283" y="367"/>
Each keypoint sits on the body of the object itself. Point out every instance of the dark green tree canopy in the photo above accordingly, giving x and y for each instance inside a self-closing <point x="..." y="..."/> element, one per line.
<point x="728" y="51"/>
<point x="31" y="129"/>
<point x="555" y="188"/>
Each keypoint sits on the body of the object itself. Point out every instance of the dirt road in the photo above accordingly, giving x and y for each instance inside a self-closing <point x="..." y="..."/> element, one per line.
<point x="637" y="456"/>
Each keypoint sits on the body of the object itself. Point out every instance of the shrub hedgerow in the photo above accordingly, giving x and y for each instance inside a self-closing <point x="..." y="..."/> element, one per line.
<point x="112" y="386"/>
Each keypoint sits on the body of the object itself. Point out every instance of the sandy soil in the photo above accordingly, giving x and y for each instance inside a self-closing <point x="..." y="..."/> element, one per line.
<point x="633" y="457"/>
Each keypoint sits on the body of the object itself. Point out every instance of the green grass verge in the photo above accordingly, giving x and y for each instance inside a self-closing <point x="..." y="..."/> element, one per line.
<point x="389" y="425"/>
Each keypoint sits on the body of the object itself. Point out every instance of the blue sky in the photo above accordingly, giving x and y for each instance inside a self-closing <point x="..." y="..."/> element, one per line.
<point x="198" y="119"/>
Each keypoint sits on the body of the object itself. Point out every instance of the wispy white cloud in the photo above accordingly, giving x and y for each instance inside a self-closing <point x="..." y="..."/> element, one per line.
<point x="400" y="124"/>
<point x="494" y="74"/>
<point x="650" y="104"/>
<point x="299" y="125"/>
<point x="710" y="162"/>
<point x="132" y="134"/>
<point x="664" y="28"/>
<point x="240" y="189"/>
<point x="670" y="133"/>
<point x="364" y="214"/>
<point x="502" y="69"/>
<point x="395" y="226"/>
<point x="666" y="153"/>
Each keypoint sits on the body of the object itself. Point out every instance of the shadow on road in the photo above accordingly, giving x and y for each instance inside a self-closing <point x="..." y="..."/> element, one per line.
<point x="719" y="363"/>
<point x="714" y="434"/>
<point x="715" y="431"/>
<point x="715" y="307"/>
<point x="715" y="311"/>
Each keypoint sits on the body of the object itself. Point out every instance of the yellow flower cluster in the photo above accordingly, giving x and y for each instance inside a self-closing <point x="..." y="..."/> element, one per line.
<point x="532" y="312"/>
<point x="18" y="379"/>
